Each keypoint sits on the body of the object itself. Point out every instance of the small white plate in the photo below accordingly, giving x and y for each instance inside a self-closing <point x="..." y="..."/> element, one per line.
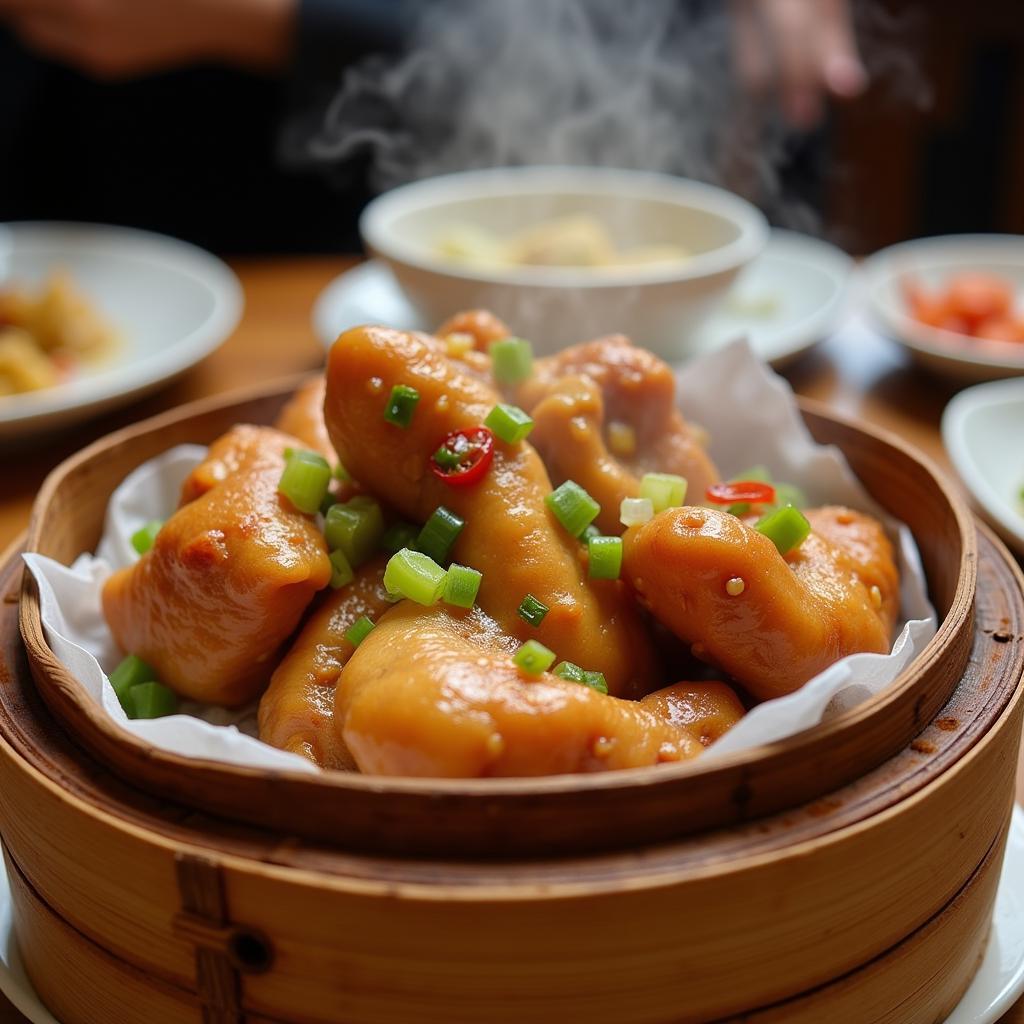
<point x="172" y="303"/>
<point x="788" y="298"/>
<point x="933" y="261"/>
<point x="998" y="984"/>
<point x="983" y="430"/>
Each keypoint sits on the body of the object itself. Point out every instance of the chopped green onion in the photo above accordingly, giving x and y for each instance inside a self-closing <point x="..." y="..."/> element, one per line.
<point x="636" y="511"/>
<point x="605" y="557"/>
<point x="414" y="575"/>
<point x="511" y="360"/>
<point x="398" y="536"/>
<point x="574" y="674"/>
<point x="341" y="473"/>
<point x="509" y="423"/>
<point x="665" y="490"/>
<point x="461" y="585"/>
<point x="439" y="534"/>
<point x="401" y="405"/>
<point x="325" y="505"/>
<point x="358" y="631"/>
<point x="533" y="658"/>
<point x="786" y="528"/>
<point x="144" y="538"/>
<point x="741" y="508"/>
<point x="130" y="672"/>
<point x="569" y="671"/>
<point x="341" y="570"/>
<point x="573" y="507"/>
<point x="305" y="480"/>
<point x="532" y="611"/>
<point x="446" y="458"/>
<point x="355" y="528"/>
<point x="150" y="700"/>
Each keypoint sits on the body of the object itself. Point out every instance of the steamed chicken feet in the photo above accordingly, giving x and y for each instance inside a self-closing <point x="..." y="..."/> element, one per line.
<point x="434" y="692"/>
<point x="303" y="417"/>
<point x="770" y="622"/>
<point x="604" y="415"/>
<point x="228" y="577"/>
<point x="509" y="535"/>
<point x="297" y="710"/>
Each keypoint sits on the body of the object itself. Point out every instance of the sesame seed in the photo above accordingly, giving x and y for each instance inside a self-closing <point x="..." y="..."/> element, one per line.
<point x="603" y="746"/>
<point x="735" y="586"/>
<point x="495" y="745"/>
<point x="876" y="597"/>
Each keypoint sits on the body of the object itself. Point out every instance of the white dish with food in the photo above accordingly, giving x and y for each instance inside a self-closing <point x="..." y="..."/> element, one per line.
<point x="566" y="252"/>
<point x="164" y="304"/>
<point x="930" y="263"/>
<point x="983" y="429"/>
<point x="790" y="297"/>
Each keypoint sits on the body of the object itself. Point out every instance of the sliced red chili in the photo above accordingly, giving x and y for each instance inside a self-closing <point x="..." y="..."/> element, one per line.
<point x="752" y="491"/>
<point x="463" y="456"/>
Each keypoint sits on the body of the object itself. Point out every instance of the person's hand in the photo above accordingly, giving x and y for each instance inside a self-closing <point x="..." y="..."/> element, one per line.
<point x="803" y="49"/>
<point x="123" y="38"/>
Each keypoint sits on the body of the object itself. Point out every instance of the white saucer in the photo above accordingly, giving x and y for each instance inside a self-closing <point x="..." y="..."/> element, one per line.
<point x="790" y="297"/>
<point x="982" y="428"/>
<point x="998" y="984"/>
<point x="932" y="261"/>
<point x="172" y="303"/>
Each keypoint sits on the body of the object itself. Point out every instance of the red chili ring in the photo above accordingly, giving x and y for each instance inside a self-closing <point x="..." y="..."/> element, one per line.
<point x="475" y="450"/>
<point x="735" y="492"/>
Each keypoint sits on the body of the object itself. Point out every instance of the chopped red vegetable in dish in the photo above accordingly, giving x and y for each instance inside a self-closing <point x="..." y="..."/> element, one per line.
<point x="463" y="456"/>
<point x="732" y="492"/>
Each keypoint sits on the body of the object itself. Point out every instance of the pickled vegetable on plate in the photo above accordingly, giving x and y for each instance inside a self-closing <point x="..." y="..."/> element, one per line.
<point x="605" y="415"/>
<point x="437" y="692"/>
<point x="510" y="535"/>
<point x="772" y="619"/>
<point x="296" y="712"/>
<point x="227" y="578"/>
<point x="977" y="304"/>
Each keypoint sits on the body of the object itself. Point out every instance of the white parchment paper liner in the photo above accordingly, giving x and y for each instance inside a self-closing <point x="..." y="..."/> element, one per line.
<point x="752" y="419"/>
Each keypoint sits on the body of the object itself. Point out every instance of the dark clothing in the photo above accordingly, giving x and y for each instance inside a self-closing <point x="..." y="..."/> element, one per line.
<point x="195" y="152"/>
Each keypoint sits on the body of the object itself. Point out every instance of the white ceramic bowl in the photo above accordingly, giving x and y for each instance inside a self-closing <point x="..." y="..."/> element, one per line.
<point x="172" y="303"/>
<point x="983" y="430"/>
<point x="659" y="306"/>
<point x="933" y="261"/>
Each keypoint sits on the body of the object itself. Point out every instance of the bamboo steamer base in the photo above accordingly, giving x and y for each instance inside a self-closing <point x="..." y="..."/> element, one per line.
<point x="869" y="905"/>
<point x="920" y="980"/>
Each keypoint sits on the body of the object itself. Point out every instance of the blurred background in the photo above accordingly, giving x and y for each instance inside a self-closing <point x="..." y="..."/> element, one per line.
<point x="257" y="126"/>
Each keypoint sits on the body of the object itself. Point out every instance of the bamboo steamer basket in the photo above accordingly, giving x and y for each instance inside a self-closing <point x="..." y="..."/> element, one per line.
<point x="866" y="899"/>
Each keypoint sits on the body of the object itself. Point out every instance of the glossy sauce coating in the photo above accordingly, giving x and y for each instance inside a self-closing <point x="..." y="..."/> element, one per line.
<point x="509" y="536"/>
<point x="575" y="397"/>
<point x="706" y="710"/>
<point x="303" y="417"/>
<point x="792" y="617"/>
<point x="296" y="712"/>
<point x="433" y="692"/>
<point x="480" y="324"/>
<point x="228" y="577"/>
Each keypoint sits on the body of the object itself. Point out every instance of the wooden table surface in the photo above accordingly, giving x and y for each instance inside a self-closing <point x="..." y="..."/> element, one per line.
<point x="871" y="379"/>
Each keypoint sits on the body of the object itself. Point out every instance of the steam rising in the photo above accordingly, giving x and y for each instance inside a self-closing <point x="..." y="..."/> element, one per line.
<point x="641" y="85"/>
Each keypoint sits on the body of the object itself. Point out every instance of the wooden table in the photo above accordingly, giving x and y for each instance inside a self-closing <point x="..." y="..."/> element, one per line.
<point x="871" y="379"/>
